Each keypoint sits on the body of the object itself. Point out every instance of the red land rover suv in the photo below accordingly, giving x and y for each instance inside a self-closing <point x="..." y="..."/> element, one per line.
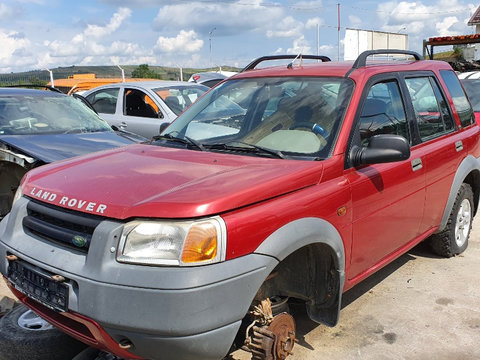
<point x="284" y="183"/>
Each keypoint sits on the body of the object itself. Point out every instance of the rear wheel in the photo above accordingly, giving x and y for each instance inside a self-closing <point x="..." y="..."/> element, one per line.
<point x="453" y="240"/>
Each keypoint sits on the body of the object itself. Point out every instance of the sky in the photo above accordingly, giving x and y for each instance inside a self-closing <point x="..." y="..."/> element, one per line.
<point x="39" y="34"/>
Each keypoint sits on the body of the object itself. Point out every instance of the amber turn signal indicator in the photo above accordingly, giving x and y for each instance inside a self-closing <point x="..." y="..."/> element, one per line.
<point x="200" y="244"/>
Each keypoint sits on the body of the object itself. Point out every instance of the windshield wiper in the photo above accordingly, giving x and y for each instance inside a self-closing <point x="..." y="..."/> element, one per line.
<point x="185" y="140"/>
<point x="252" y="148"/>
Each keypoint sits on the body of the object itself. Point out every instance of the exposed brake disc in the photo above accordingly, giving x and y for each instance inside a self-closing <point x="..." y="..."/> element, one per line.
<point x="270" y="337"/>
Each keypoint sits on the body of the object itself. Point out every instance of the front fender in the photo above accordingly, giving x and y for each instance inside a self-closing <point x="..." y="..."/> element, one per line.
<point x="300" y="234"/>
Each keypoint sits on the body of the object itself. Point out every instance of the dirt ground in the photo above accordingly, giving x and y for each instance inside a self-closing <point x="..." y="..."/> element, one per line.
<point x="420" y="307"/>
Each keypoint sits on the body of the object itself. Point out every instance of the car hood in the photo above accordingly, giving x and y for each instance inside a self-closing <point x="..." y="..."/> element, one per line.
<point x="151" y="181"/>
<point x="53" y="147"/>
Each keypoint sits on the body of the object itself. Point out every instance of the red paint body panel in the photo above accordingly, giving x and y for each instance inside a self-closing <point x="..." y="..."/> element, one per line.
<point x="249" y="226"/>
<point x="169" y="183"/>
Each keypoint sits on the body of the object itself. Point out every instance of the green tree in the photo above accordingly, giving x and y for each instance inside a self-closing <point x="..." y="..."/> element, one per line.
<point x="143" y="71"/>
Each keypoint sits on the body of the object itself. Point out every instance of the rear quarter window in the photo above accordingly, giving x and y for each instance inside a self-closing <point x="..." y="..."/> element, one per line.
<point x="462" y="105"/>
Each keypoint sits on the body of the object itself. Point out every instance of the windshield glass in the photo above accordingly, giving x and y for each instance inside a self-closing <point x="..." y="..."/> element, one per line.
<point x="178" y="98"/>
<point x="292" y="116"/>
<point x="22" y="115"/>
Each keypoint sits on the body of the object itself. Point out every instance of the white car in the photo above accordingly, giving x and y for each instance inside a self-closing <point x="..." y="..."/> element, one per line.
<point x="141" y="107"/>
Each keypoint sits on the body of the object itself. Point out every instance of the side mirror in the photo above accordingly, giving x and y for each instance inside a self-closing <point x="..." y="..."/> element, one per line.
<point x="382" y="148"/>
<point x="163" y="126"/>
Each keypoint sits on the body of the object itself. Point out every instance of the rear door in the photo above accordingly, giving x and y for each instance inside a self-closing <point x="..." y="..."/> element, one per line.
<point x="439" y="140"/>
<point x="105" y="102"/>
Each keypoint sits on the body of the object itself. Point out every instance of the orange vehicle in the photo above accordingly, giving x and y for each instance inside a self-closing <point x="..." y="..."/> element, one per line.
<point x="83" y="82"/>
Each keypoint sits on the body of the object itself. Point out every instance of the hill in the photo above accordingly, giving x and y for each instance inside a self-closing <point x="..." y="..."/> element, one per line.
<point x="42" y="76"/>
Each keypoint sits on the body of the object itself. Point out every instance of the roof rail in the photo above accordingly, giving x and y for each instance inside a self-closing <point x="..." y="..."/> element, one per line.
<point x="255" y="62"/>
<point x="362" y="58"/>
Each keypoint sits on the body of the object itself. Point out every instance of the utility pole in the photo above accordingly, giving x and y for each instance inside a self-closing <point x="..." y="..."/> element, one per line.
<point x="338" y="33"/>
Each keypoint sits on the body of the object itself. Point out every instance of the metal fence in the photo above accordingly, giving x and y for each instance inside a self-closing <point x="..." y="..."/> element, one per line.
<point x="39" y="78"/>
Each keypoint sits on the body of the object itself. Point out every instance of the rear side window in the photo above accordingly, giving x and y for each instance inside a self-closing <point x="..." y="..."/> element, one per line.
<point x="431" y="111"/>
<point x="459" y="98"/>
<point x="383" y="112"/>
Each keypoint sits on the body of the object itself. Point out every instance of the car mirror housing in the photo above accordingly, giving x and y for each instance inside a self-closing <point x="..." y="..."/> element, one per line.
<point x="382" y="148"/>
<point x="163" y="126"/>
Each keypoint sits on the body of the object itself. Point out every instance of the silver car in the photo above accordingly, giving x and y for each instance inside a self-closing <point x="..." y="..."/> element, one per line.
<point x="142" y="106"/>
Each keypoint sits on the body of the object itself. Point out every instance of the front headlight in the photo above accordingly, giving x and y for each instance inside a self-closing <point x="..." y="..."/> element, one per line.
<point x="178" y="243"/>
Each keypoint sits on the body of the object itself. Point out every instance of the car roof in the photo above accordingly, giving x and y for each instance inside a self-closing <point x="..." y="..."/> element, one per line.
<point x="9" y="91"/>
<point x="343" y="68"/>
<point x="210" y="75"/>
<point x="470" y="75"/>
<point x="147" y="84"/>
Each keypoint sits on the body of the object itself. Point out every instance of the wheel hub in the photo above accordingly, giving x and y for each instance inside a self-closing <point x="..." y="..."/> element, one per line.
<point x="462" y="225"/>
<point x="270" y="337"/>
<point x="283" y="329"/>
<point x="31" y="321"/>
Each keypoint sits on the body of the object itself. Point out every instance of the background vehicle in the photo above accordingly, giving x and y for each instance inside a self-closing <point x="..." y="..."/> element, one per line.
<point x="141" y="107"/>
<point x="304" y="181"/>
<point x="39" y="127"/>
<point x="209" y="79"/>
<point x="471" y="83"/>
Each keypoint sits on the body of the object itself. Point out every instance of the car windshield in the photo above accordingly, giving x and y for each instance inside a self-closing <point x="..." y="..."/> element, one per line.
<point x="26" y="115"/>
<point x="288" y="117"/>
<point x="178" y="98"/>
<point x="472" y="87"/>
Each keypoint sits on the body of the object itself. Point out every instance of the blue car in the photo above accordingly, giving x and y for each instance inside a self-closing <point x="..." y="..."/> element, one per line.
<point x="39" y="127"/>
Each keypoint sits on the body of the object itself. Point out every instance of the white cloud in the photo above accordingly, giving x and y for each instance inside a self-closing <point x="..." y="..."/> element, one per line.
<point x="94" y="44"/>
<point x="312" y="23"/>
<point x="185" y="42"/>
<point x="288" y="27"/>
<point x="115" y="22"/>
<point x="417" y="17"/>
<point x="229" y="18"/>
<point x="13" y="44"/>
<point x="300" y="46"/>
<point x="420" y="21"/>
<point x="443" y="27"/>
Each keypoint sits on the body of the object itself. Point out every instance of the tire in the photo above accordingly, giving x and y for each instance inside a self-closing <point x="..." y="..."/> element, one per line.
<point x="453" y="240"/>
<point x="26" y="336"/>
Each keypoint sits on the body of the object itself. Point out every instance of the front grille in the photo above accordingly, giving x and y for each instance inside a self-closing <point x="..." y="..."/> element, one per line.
<point x="65" y="227"/>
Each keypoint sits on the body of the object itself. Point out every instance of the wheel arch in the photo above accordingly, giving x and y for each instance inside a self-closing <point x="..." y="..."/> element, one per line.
<point x="10" y="176"/>
<point x="468" y="172"/>
<point x="311" y="267"/>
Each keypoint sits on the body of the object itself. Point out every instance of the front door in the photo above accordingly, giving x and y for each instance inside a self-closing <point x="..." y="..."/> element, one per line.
<point x="388" y="199"/>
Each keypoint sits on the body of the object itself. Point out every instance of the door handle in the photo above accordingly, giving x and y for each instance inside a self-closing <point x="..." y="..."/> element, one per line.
<point x="123" y="125"/>
<point x="416" y="164"/>
<point x="459" y="145"/>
